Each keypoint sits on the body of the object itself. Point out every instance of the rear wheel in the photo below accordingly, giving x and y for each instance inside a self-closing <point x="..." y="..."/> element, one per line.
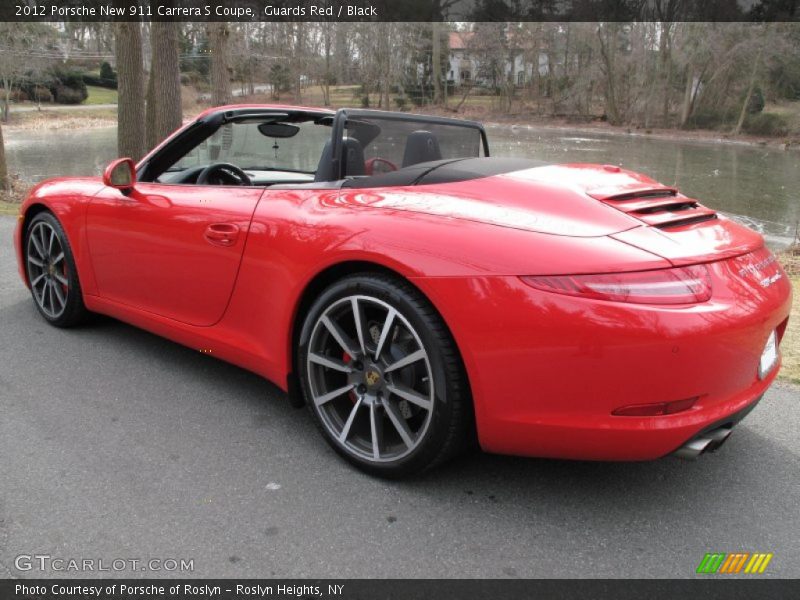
<point x="382" y="377"/>
<point x="51" y="272"/>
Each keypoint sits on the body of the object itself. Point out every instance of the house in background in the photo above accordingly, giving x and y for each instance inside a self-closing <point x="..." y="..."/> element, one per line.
<point x="466" y="58"/>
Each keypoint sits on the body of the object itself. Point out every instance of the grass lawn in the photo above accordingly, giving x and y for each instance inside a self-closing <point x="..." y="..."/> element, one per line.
<point x="99" y="95"/>
<point x="8" y="208"/>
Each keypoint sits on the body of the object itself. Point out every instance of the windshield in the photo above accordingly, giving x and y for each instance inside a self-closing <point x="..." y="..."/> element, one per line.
<point x="245" y="146"/>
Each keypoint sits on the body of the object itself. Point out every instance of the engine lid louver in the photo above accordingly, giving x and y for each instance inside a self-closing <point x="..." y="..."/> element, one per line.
<point x="661" y="207"/>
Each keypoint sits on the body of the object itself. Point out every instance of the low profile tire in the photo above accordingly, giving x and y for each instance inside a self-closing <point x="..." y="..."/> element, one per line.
<point x="51" y="272"/>
<point x="382" y="377"/>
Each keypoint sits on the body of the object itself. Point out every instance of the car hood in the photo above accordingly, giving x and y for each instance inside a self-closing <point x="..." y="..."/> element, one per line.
<point x="577" y="200"/>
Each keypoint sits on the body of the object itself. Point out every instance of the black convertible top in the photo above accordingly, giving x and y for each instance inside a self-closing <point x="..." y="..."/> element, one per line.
<point x="444" y="171"/>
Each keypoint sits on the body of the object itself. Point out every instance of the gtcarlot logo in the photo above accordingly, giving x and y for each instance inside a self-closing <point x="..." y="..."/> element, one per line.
<point x="45" y="562"/>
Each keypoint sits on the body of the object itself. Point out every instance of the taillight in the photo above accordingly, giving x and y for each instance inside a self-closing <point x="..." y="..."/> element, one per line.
<point x="681" y="285"/>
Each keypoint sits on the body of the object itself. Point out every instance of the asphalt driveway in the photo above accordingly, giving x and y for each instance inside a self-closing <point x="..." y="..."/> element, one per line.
<point x="115" y="443"/>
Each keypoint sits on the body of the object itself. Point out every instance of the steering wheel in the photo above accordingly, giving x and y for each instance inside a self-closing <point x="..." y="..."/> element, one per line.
<point x="369" y="166"/>
<point x="218" y="173"/>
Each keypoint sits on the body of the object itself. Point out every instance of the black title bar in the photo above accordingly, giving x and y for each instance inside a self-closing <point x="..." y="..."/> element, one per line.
<point x="400" y="10"/>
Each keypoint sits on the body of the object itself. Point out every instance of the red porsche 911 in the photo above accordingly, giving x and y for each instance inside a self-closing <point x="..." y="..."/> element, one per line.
<point x="418" y="295"/>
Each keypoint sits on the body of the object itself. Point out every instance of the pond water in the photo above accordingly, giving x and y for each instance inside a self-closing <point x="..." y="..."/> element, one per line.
<point x="757" y="185"/>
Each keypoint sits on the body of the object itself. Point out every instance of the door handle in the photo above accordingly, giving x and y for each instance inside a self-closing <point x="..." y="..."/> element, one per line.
<point x="222" y="234"/>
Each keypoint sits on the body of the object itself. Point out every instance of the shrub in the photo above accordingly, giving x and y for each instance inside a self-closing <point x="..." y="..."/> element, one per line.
<point x="89" y="79"/>
<point x="18" y="96"/>
<point x="706" y="119"/>
<point x="107" y="72"/>
<point x="41" y="94"/>
<point x="766" y="124"/>
<point x="68" y="95"/>
<point x="756" y="102"/>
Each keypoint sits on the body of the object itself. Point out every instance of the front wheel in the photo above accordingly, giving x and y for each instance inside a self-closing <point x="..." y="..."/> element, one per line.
<point x="51" y="271"/>
<point x="382" y="376"/>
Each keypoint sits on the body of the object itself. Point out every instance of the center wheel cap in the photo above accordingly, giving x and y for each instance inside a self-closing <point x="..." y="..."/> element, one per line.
<point x="372" y="377"/>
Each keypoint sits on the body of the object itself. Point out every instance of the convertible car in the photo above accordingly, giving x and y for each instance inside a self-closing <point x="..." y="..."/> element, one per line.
<point x="418" y="295"/>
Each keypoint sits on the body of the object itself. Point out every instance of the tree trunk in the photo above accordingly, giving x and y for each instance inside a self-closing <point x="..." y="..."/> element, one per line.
<point x="750" y="87"/>
<point x="150" y="111"/>
<point x="688" y="93"/>
<point x="164" y="110"/>
<point x="436" y="67"/>
<point x="218" y="35"/>
<point x="130" y="103"/>
<point x="608" y="49"/>
<point x="5" y="183"/>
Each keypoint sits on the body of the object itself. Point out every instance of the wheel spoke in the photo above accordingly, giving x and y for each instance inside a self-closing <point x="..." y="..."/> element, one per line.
<point x="410" y="395"/>
<point x="405" y="361"/>
<point x="51" y="295"/>
<point x="37" y="245"/>
<point x="399" y="424"/>
<point x="359" y="320"/>
<point x="37" y="280"/>
<point x="58" y="258"/>
<point x="325" y="398"/>
<point x="375" y="429"/>
<point x="352" y="417"/>
<point x="387" y="327"/>
<point x="331" y="363"/>
<point x="62" y="299"/>
<point x="340" y="336"/>
<point x="43" y="236"/>
<point x="35" y="261"/>
<point x="61" y="279"/>
<point x="50" y="243"/>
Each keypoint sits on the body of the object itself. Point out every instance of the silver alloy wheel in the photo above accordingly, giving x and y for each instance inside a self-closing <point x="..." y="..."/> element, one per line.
<point x="47" y="270"/>
<point x="370" y="378"/>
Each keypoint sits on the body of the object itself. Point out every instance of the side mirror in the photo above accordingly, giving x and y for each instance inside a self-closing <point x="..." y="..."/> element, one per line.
<point x="121" y="175"/>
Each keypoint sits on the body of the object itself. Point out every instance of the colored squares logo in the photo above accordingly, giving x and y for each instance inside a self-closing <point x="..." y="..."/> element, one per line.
<point x="741" y="562"/>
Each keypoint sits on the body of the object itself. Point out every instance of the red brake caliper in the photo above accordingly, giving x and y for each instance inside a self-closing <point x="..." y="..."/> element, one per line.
<point x="352" y="394"/>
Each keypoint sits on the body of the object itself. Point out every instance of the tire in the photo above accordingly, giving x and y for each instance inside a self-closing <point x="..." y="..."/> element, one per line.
<point x="51" y="271"/>
<point x="393" y="400"/>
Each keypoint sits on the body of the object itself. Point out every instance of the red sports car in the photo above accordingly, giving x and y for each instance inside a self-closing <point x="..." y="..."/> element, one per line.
<point x="418" y="295"/>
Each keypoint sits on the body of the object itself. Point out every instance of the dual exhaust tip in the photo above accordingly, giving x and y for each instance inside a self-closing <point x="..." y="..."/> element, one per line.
<point x="705" y="442"/>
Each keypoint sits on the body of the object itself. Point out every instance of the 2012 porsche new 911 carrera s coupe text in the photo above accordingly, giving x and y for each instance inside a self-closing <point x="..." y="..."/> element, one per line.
<point x="418" y="295"/>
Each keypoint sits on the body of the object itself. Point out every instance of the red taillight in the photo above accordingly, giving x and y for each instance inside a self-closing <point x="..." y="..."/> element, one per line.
<point x="681" y="285"/>
<point x="652" y="410"/>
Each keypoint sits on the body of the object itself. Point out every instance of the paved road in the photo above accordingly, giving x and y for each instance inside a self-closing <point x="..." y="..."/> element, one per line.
<point x="117" y="444"/>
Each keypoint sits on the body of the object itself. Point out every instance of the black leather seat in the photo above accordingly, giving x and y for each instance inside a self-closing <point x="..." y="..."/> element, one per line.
<point x="421" y="146"/>
<point x="353" y="155"/>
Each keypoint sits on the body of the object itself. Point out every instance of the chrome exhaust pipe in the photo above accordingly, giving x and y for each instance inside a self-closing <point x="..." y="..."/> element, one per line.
<point x="707" y="442"/>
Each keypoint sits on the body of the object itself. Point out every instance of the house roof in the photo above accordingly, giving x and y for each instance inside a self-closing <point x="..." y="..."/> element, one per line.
<point x="459" y="39"/>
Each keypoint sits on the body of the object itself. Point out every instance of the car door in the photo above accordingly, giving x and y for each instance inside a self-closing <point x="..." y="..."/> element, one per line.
<point x="172" y="250"/>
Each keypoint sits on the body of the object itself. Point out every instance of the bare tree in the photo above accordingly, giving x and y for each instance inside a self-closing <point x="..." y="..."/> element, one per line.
<point x="130" y="78"/>
<point x="751" y="85"/>
<point x="218" y="36"/>
<point x="436" y="59"/>
<point x="164" y="111"/>
<point x="5" y="183"/>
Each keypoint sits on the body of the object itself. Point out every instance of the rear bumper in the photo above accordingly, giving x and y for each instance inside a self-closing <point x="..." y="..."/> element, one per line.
<point x="547" y="370"/>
